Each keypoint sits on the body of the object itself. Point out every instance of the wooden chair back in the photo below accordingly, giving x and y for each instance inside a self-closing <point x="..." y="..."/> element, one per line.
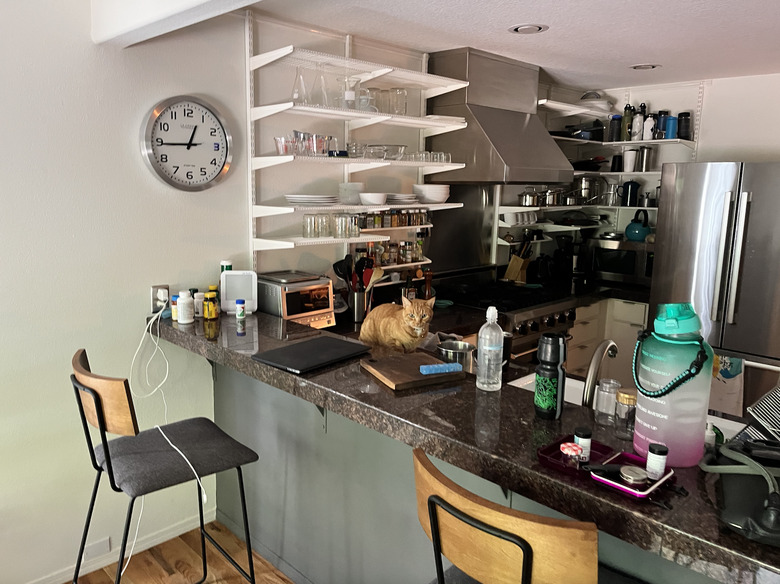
<point x="115" y="398"/>
<point x="563" y="550"/>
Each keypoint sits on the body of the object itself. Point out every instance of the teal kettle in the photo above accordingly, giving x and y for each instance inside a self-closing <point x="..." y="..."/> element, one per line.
<point x="638" y="229"/>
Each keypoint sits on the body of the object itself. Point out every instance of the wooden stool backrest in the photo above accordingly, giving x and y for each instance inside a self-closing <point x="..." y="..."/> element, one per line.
<point x="115" y="398"/>
<point x="563" y="550"/>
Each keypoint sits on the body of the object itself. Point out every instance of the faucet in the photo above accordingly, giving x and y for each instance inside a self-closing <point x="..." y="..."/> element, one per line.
<point x="605" y="348"/>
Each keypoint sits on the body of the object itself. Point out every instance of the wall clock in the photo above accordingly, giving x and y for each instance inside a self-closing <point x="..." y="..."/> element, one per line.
<point x="186" y="143"/>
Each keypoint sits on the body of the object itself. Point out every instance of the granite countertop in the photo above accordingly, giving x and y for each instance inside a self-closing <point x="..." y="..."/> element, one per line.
<point x="496" y="436"/>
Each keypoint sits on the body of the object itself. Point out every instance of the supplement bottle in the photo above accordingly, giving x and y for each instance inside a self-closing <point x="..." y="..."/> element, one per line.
<point x="490" y="352"/>
<point x="672" y="370"/>
<point x="240" y="309"/>
<point x="186" y="307"/>
<point x="174" y="308"/>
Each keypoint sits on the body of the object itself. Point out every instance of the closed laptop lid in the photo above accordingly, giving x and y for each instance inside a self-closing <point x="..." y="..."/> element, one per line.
<point x="311" y="354"/>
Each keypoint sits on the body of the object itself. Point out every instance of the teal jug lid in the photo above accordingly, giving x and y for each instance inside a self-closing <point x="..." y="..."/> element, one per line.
<point x="676" y="319"/>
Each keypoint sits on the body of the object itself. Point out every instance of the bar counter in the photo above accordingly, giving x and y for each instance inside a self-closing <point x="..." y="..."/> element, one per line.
<point x="495" y="436"/>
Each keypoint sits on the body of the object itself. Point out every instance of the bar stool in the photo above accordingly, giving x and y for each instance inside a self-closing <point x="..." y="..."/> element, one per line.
<point x="139" y="463"/>
<point x="493" y="544"/>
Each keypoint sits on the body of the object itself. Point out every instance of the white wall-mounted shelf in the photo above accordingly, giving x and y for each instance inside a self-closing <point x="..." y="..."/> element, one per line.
<point x="626" y="143"/>
<point x="430" y="125"/>
<point x="563" y="109"/>
<point x="380" y="75"/>
<point x="354" y="165"/>
<point x="271" y="210"/>
<point x="265" y="244"/>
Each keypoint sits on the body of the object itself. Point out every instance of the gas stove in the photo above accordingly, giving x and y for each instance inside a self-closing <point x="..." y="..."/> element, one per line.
<point x="526" y="311"/>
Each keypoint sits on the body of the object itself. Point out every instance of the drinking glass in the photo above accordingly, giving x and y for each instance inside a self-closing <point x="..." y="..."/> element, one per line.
<point x="310" y="226"/>
<point x="606" y="394"/>
<point x="319" y="92"/>
<point x="342" y="225"/>
<point x="397" y="101"/>
<point x="323" y="225"/>
<point x="300" y="96"/>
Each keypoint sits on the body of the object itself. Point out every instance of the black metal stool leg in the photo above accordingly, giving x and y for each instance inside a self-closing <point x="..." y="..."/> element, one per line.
<point x="202" y="535"/>
<point x="86" y="527"/>
<point x="124" y="540"/>
<point x="246" y="526"/>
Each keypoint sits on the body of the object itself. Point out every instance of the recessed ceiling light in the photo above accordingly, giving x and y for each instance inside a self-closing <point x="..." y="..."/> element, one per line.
<point x="645" y="66"/>
<point x="529" y="28"/>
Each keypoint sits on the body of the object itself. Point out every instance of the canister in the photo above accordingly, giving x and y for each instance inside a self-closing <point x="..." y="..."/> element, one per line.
<point x="625" y="413"/>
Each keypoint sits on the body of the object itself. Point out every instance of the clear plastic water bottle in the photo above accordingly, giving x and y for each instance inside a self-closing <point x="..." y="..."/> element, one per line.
<point x="490" y="351"/>
<point x="672" y="370"/>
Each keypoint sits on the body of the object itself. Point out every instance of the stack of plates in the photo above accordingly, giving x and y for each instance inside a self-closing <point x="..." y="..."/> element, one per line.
<point x="432" y="193"/>
<point x="401" y="198"/>
<point x="312" y="200"/>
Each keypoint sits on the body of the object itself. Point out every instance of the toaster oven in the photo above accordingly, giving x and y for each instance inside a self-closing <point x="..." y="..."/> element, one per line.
<point x="296" y="296"/>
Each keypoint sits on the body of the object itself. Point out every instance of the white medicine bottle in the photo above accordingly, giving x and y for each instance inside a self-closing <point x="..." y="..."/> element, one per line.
<point x="186" y="307"/>
<point x="490" y="351"/>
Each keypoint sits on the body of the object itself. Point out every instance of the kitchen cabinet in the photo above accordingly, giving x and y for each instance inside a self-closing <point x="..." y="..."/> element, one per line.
<point x="586" y="334"/>
<point x="351" y="122"/>
<point x="623" y="320"/>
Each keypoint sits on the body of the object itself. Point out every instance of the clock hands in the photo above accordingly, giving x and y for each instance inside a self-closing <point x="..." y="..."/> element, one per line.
<point x="189" y="144"/>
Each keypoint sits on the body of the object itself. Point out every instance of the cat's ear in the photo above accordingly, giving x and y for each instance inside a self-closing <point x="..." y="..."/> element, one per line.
<point x="430" y="302"/>
<point x="406" y="302"/>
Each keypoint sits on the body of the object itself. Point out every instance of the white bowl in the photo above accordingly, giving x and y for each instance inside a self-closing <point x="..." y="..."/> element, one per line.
<point x="373" y="198"/>
<point x="433" y="197"/>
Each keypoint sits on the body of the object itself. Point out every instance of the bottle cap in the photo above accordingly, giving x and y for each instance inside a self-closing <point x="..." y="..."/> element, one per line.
<point x="571" y="449"/>
<point x="658" y="449"/>
<point x="583" y="432"/>
<point x="210" y="295"/>
<point x="626" y="396"/>
<point x="684" y="115"/>
<point x="185" y="294"/>
<point x="240" y="301"/>
<point x="492" y="313"/>
<point x="676" y="319"/>
<point x="213" y="288"/>
<point x="174" y="298"/>
<point x="549" y="348"/>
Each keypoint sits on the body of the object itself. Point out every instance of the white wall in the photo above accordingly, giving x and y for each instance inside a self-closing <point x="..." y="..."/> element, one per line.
<point x="85" y="230"/>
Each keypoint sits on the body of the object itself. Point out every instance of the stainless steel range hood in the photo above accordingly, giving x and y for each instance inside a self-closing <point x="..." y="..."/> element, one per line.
<point x="505" y="142"/>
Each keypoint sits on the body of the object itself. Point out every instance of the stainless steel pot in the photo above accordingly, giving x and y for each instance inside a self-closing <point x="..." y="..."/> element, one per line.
<point x="588" y="187"/>
<point x="458" y="352"/>
<point x="528" y="200"/>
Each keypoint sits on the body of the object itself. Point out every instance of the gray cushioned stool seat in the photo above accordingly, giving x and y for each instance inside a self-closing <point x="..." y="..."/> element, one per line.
<point x="146" y="462"/>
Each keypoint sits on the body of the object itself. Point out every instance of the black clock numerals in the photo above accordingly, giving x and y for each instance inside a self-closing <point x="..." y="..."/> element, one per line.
<point x="212" y="131"/>
<point x="188" y="113"/>
<point x="213" y="162"/>
<point x="175" y="169"/>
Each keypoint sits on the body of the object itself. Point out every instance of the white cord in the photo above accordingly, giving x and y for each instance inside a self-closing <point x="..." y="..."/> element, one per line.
<point x="156" y="340"/>
<point x="135" y="537"/>
<point x="192" y="468"/>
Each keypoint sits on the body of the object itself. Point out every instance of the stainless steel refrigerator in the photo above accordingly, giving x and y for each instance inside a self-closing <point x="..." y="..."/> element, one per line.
<point x="718" y="246"/>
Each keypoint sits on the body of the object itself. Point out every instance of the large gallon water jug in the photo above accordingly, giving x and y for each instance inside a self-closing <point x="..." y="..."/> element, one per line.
<point x="672" y="370"/>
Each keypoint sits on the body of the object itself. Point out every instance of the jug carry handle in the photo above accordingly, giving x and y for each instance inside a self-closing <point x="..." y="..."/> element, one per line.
<point x="693" y="369"/>
<point x="645" y="220"/>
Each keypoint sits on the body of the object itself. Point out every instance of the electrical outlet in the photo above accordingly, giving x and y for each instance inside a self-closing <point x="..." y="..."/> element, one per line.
<point x="160" y="294"/>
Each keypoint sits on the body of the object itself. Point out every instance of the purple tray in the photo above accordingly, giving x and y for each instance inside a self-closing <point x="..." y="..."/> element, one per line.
<point x="639" y="491"/>
<point x="552" y="457"/>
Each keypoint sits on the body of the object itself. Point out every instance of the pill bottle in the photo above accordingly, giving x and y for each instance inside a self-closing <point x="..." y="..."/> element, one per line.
<point x="198" y="299"/>
<point x="240" y="309"/>
<point x="210" y="311"/>
<point x="656" y="461"/>
<point x="225" y="265"/>
<point x="186" y="307"/>
<point x="582" y="437"/>
<point x="174" y="307"/>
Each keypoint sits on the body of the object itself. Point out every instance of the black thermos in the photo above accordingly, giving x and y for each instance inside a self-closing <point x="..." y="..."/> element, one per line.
<point x="550" y="376"/>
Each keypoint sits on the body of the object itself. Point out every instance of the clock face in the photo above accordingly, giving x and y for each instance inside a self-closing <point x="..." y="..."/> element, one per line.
<point x="186" y="143"/>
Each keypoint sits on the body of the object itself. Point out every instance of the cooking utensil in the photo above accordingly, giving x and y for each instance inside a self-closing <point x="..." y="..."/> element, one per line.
<point x="340" y="268"/>
<point x="349" y="265"/>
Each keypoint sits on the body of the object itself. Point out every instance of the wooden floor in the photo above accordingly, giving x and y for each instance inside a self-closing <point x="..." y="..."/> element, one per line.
<point x="178" y="562"/>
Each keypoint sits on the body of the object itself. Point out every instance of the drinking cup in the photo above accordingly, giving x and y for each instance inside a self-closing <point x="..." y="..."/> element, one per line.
<point x="629" y="160"/>
<point x="606" y="395"/>
<point x="310" y="226"/>
<point x="397" y="105"/>
<point x="323" y="225"/>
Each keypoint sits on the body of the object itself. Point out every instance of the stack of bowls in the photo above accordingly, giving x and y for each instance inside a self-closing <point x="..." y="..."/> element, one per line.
<point x="432" y="193"/>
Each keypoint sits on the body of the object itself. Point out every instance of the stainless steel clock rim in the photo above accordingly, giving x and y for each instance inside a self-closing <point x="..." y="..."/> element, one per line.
<point x="146" y="146"/>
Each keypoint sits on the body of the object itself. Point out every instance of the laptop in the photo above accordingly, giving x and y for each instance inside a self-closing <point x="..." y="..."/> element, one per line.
<point x="311" y="354"/>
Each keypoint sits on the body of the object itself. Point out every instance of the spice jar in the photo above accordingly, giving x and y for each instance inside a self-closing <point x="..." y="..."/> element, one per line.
<point x="571" y="454"/>
<point x="625" y="413"/>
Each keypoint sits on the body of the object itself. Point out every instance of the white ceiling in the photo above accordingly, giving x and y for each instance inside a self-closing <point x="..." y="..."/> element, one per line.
<point x="590" y="44"/>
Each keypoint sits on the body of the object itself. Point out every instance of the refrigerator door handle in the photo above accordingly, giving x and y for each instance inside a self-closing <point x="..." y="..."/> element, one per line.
<point x="715" y="308"/>
<point x="744" y="199"/>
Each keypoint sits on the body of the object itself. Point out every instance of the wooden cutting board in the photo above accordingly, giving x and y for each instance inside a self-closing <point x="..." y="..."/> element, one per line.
<point x="402" y="370"/>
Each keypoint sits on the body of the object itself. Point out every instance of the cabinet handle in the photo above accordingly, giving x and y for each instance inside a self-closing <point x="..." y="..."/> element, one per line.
<point x="714" y="317"/>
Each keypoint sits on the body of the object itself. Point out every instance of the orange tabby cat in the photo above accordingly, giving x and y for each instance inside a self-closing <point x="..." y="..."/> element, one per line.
<point x="400" y="328"/>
